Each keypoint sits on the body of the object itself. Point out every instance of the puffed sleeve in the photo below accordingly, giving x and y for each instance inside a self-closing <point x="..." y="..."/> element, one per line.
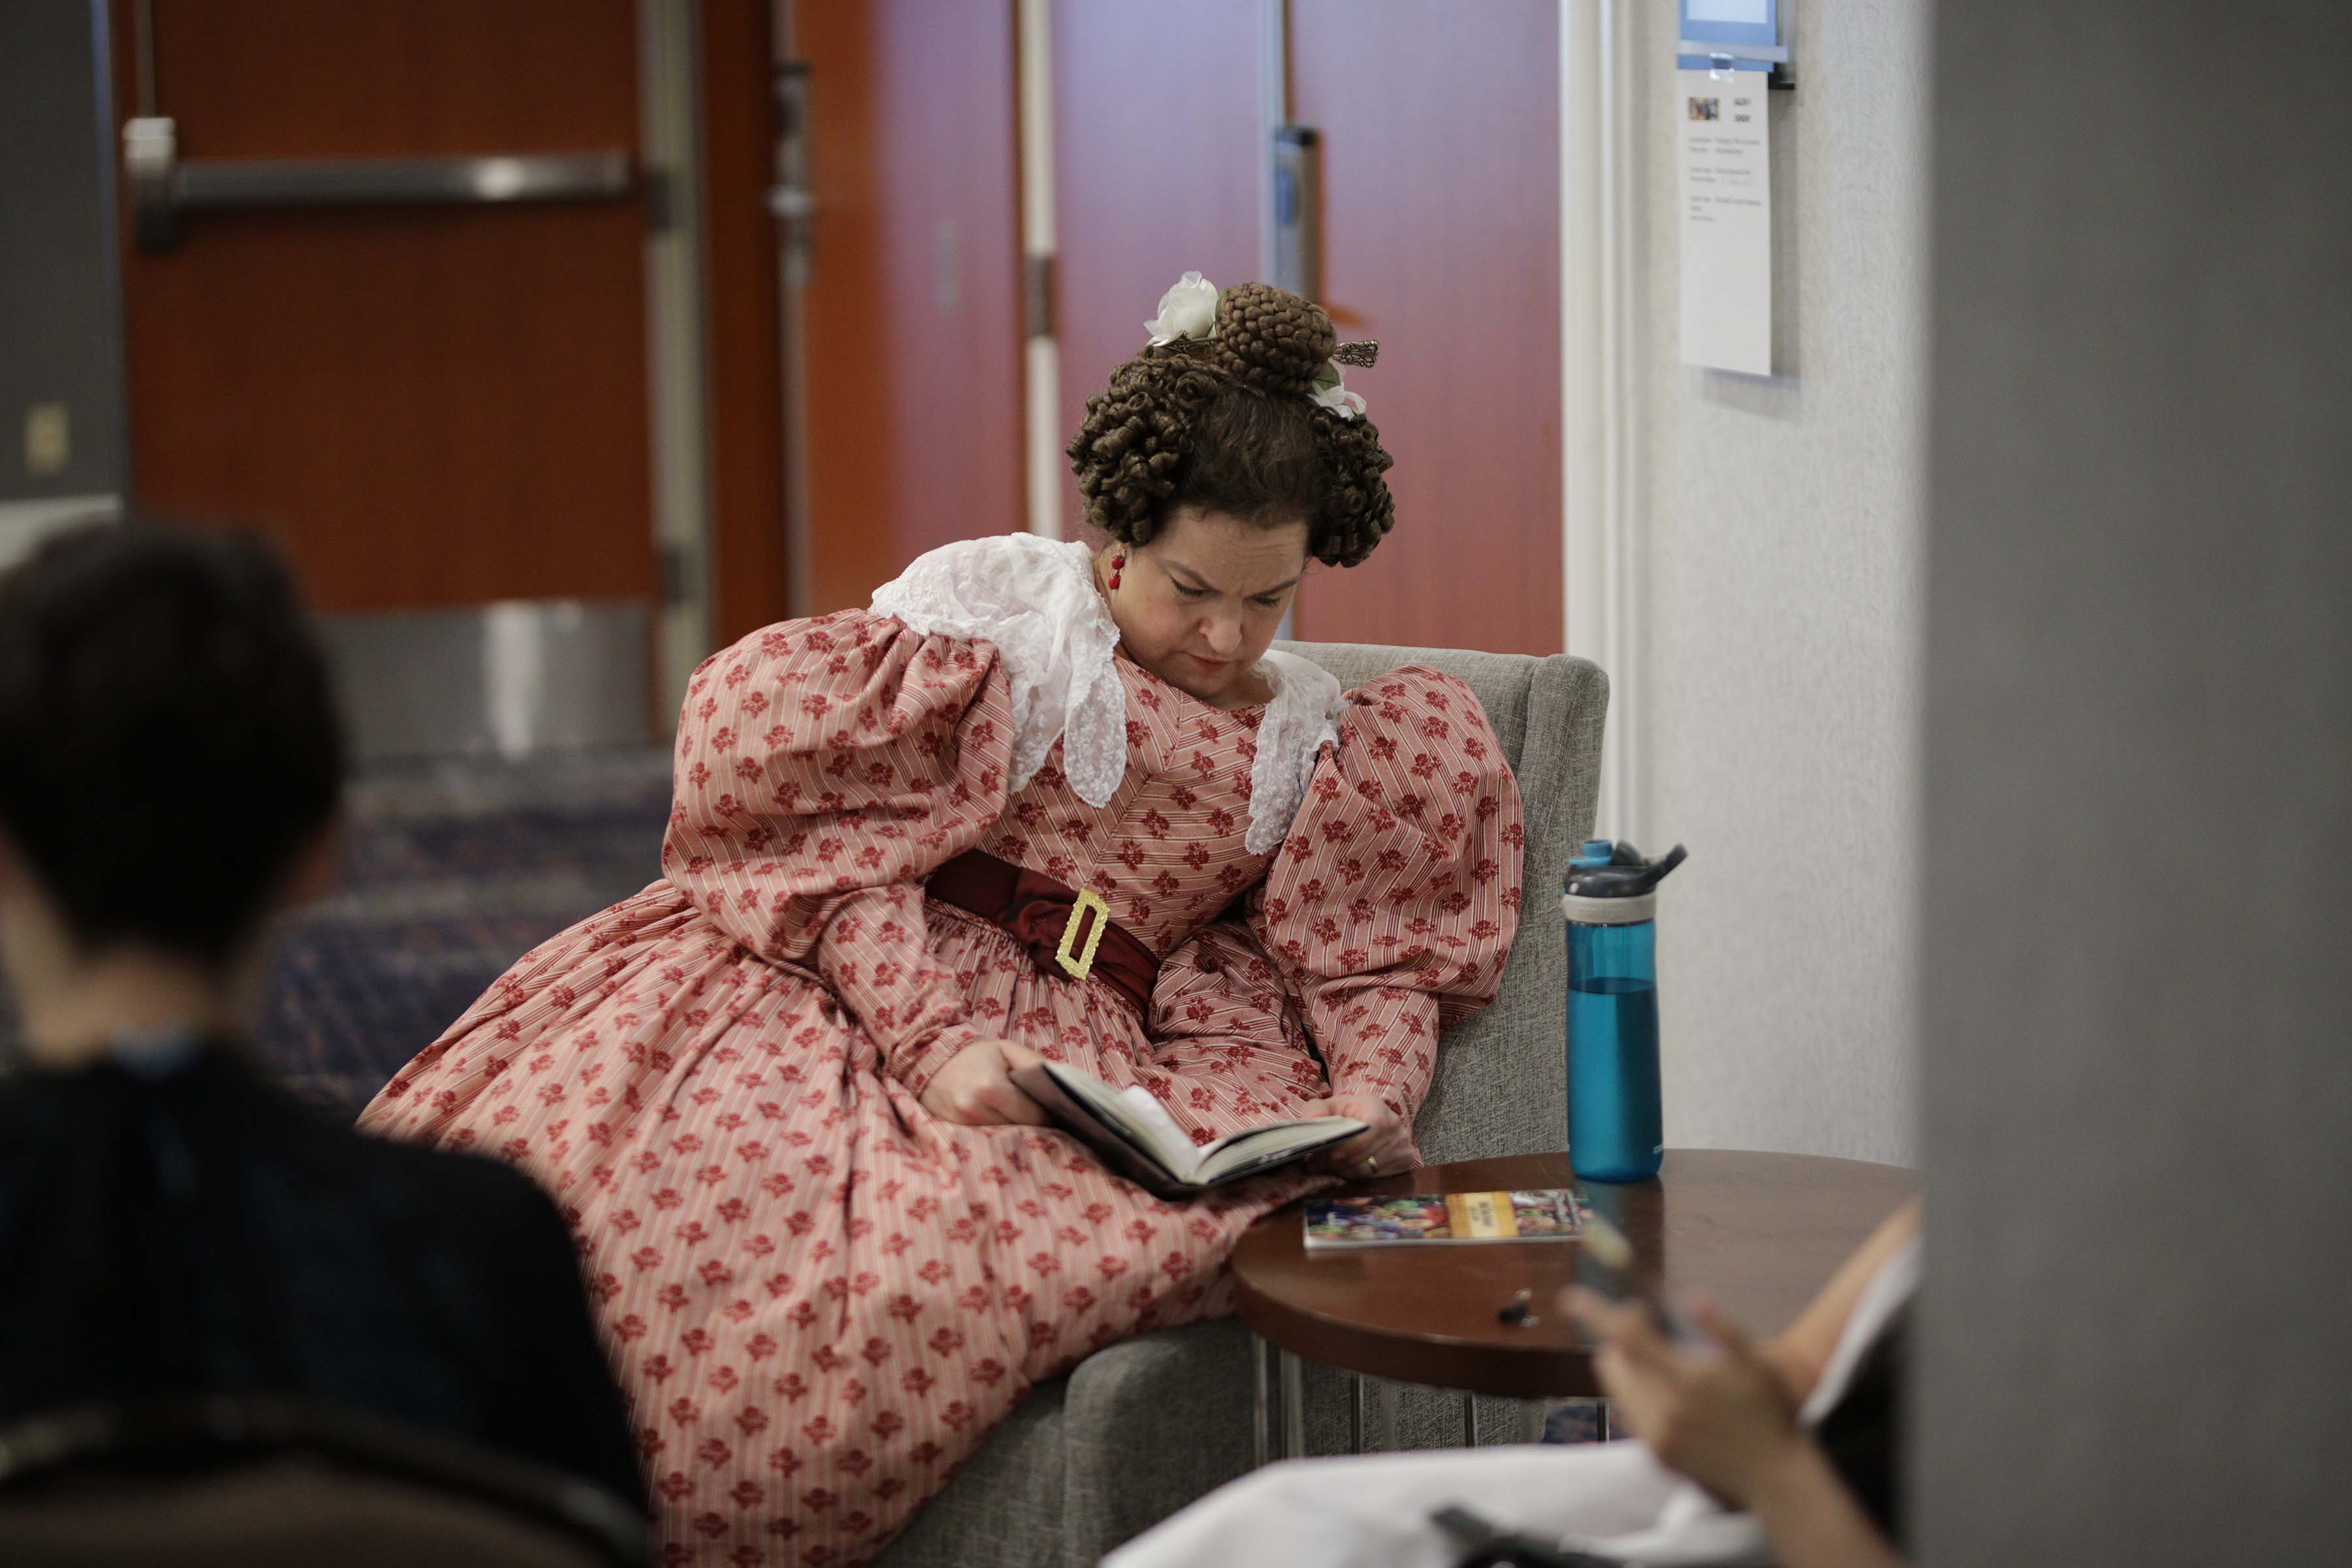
<point x="1391" y="906"/>
<point x="824" y="768"/>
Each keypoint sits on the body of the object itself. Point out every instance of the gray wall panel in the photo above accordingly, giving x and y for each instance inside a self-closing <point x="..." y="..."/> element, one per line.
<point x="2138" y="944"/>
<point x="60" y="338"/>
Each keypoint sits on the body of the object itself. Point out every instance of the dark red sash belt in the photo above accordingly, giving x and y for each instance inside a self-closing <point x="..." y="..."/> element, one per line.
<point x="1035" y="909"/>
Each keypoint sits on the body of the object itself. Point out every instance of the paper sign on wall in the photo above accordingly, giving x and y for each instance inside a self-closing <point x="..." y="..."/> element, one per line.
<point x="1726" y="220"/>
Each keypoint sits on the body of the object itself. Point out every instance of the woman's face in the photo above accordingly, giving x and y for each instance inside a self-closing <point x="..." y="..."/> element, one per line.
<point x="1198" y="605"/>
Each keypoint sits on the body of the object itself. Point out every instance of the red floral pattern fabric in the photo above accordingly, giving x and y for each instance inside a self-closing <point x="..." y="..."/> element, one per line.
<point x="819" y="1298"/>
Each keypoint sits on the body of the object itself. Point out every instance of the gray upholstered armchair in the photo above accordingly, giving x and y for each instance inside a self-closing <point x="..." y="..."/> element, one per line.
<point x="1143" y="1427"/>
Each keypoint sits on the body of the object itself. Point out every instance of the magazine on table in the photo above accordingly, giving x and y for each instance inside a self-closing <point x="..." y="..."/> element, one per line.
<point x="1543" y="1214"/>
<point x="1136" y="1136"/>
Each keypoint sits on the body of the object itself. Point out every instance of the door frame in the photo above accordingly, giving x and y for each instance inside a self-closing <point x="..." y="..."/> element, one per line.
<point x="1604" y="572"/>
<point x="677" y="339"/>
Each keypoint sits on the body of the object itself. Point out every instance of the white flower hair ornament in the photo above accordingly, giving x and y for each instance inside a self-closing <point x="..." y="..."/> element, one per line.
<point x="1187" y="310"/>
<point x="1328" y="392"/>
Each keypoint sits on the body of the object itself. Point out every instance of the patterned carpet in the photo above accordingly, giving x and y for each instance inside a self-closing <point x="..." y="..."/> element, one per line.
<point x="453" y="868"/>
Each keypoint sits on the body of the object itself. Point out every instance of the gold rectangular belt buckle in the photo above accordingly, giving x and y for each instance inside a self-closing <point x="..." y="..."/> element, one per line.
<point x="1089" y="916"/>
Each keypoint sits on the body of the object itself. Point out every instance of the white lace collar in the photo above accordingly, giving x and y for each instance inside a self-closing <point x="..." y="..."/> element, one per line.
<point x="1304" y="714"/>
<point x="1034" y="599"/>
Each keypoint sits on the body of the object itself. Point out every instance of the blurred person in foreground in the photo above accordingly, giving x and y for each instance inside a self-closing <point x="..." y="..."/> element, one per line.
<point x="170" y="1223"/>
<point x="1784" y="1452"/>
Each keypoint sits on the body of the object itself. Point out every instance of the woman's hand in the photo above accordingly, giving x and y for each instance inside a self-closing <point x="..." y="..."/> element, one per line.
<point x="976" y="1087"/>
<point x="1382" y="1149"/>
<point x="1720" y="1413"/>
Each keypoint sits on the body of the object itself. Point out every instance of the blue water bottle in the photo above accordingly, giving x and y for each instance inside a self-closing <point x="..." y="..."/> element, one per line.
<point x="1616" y="1126"/>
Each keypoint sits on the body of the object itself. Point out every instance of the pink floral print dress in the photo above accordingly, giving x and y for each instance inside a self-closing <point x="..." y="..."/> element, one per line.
<point x="818" y="1297"/>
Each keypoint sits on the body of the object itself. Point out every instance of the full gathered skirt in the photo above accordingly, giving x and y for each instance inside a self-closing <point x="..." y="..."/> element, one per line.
<point x="819" y="1296"/>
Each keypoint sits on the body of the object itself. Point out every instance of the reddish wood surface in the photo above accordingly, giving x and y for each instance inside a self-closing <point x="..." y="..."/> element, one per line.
<point x="428" y="407"/>
<point x="1758" y="1233"/>
<point x="1441" y="238"/>
<point x="746" y="307"/>
<point x="1156" y="173"/>
<point x="913" y="395"/>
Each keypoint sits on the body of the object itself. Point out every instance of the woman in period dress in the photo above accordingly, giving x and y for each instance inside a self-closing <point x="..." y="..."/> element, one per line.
<point x="830" y="1244"/>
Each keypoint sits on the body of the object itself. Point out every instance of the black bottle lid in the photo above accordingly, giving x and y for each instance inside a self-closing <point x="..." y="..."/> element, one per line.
<point x="1621" y="873"/>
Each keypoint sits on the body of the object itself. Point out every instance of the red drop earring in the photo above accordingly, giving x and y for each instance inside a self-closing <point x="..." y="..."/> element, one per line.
<point x="1117" y="561"/>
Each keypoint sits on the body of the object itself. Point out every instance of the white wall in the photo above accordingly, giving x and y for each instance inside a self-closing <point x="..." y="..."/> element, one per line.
<point x="1781" y="691"/>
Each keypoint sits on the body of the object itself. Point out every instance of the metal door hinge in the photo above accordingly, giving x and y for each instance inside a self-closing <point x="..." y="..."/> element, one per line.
<point x="792" y="198"/>
<point x="661" y="200"/>
<point x="675" y="562"/>
<point x="1037" y="296"/>
<point x="1297" y="211"/>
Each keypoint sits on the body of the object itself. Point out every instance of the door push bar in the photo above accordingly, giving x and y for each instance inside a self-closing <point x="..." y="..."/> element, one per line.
<point x="163" y="186"/>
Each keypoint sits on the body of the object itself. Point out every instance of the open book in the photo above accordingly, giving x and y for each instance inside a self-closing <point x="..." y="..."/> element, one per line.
<point x="1136" y="1136"/>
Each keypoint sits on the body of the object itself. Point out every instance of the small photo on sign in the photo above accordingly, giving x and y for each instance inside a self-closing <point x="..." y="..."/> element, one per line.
<point x="1707" y="109"/>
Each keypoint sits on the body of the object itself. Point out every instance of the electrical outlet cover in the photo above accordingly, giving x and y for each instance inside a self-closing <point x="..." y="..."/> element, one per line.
<point x="49" y="439"/>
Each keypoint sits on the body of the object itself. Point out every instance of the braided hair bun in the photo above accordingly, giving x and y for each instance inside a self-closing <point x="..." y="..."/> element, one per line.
<point x="1226" y="424"/>
<point x="1271" y="341"/>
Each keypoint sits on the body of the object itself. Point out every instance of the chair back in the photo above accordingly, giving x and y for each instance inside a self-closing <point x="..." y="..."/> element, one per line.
<point x="1501" y="1083"/>
<point x="254" y="1483"/>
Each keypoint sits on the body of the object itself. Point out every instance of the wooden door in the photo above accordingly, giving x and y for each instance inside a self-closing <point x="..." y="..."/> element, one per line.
<point x="1156" y="173"/>
<point x="1439" y="134"/>
<point x="428" y="407"/>
<point x="911" y="384"/>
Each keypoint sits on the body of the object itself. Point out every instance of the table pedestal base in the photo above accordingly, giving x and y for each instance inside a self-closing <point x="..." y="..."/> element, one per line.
<point x="1281" y="1415"/>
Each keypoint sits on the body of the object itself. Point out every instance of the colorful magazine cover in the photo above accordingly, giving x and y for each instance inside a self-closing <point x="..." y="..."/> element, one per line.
<point x="1546" y="1213"/>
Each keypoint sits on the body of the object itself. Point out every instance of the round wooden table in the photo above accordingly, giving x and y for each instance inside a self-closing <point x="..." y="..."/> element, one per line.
<point x="1758" y="1233"/>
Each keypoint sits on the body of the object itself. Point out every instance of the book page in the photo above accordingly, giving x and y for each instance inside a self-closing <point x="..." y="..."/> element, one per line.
<point x="1158" y="1134"/>
<point x="1273" y="1143"/>
<point x="1150" y="1136"/>
<point x="1271" y="1129"/>
<point x="1169" y="1139"/>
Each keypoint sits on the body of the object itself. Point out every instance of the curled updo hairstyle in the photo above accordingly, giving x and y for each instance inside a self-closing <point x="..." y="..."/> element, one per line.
<point x="1225" y="424"/>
